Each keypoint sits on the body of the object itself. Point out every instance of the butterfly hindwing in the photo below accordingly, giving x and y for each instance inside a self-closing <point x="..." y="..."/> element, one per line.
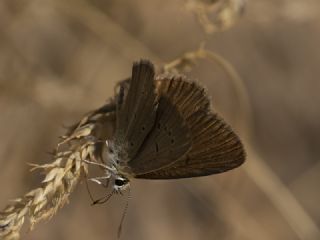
<point x="187" y="96"/>
<point x="168" y="140"/>
<point x="215" y="147"/>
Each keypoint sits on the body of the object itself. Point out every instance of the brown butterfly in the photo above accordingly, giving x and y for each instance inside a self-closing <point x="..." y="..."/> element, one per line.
<point x="165" y="129"/>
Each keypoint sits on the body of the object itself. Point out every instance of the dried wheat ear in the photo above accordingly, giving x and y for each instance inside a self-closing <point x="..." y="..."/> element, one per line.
<point x="82" y="143"/>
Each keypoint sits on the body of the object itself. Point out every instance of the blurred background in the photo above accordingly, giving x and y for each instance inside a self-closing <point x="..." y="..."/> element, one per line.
<point x="61" y="59"/>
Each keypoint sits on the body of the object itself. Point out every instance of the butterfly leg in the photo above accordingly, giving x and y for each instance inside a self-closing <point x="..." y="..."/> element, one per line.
<point x="99" y="180"/>
<point x="103" y="199"/>
<point x="107" y="168"/>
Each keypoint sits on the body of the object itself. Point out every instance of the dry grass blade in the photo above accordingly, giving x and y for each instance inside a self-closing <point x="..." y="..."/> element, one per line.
<point x="225" y="13"/>
<point x="61" y="177"/>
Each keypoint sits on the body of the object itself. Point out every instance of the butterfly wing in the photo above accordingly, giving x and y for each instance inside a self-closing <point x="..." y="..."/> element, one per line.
<point x="168" y="141"/>
<point x="136" y="111"/>
<point x="215" y="147"/>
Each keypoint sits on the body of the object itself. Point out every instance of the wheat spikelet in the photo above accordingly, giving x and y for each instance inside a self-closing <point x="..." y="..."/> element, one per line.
<point x="61" y="175"/>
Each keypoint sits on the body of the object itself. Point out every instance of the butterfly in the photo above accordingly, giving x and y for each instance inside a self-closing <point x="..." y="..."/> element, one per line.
<point x="166" y="129"/>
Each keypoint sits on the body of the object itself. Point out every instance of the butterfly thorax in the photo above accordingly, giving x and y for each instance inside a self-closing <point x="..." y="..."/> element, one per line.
<point x="119" y="178"/>
<point x="118" y="158"/>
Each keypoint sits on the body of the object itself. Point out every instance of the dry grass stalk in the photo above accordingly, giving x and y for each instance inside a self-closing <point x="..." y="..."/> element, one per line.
<point x="61" y="177"/>
<point x="224" y="13"/>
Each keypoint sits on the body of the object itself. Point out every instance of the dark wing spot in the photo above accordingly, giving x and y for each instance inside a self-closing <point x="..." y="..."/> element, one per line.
<point x="157" y="147"/>
<point x="110" y="150"/>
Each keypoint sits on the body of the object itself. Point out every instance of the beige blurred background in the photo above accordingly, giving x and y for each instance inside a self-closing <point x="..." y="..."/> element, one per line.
<point x="60" y="59"/>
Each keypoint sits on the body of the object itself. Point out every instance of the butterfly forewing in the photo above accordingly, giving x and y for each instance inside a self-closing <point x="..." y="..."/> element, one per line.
<point x="215" y="147"/>
<point x="137" y="113"/>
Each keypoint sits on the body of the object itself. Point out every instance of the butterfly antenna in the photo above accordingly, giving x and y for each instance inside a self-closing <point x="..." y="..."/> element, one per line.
<point x="88" y="189"/>
<point x="124" y="214"/>
<point x="103" y="199"/>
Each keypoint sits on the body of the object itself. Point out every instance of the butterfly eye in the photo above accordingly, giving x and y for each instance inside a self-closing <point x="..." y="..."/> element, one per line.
<point x="120" y="181"/>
